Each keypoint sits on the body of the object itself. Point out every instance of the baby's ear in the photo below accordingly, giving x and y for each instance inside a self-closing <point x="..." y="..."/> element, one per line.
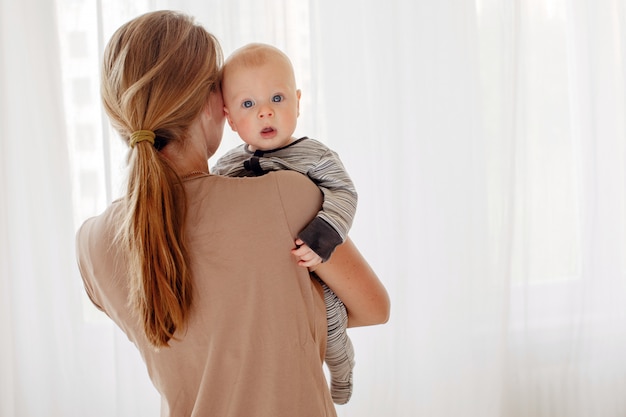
<point x="230" y="121"/>
<point x="298" y="95"/>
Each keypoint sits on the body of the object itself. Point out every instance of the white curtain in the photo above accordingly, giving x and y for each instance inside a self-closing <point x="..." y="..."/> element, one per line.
<point x="39" y="313"/>
<point x="487" y="140"/>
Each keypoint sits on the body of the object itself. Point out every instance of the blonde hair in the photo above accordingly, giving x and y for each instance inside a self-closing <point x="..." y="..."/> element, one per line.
<point x="158" y="72"/>
<point x="255" y="55"/>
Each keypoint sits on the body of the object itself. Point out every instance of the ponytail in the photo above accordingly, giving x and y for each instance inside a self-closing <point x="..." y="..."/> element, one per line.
<point x="153" y="235"/>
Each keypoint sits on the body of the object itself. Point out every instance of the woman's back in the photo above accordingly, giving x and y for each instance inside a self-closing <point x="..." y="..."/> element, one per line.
<point x="256" y="333"/>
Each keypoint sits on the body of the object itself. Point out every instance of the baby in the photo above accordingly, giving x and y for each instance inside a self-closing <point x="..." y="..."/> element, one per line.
<point x="261" y="103"/>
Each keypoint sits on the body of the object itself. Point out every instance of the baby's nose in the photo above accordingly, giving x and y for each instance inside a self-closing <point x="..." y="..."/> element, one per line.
<point x="265" y="112"/>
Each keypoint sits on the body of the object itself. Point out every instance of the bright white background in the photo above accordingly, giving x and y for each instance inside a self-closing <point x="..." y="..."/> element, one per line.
<point x="487" y="140"/>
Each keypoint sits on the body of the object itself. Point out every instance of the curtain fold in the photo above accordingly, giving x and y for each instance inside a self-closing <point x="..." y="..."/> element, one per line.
<point x="487" y="141"/>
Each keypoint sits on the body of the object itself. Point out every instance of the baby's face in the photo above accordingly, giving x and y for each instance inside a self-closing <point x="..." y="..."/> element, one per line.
<point x="262" y="103"/>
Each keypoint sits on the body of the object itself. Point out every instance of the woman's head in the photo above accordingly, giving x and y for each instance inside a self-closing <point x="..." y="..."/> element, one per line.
<point x="158" y="72"/>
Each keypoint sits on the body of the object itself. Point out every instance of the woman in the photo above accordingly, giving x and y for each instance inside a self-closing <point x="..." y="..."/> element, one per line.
<point x="198" y="270"/>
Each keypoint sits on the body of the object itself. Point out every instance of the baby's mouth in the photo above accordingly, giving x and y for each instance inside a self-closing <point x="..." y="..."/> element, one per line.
<point x="268" y="133"/>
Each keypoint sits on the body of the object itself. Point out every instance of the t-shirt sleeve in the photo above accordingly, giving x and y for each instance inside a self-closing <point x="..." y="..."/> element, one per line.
<point x="85" y="265"/>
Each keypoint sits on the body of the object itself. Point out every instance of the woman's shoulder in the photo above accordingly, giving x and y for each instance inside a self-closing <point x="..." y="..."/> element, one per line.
<point x="286" y="181"/>
<point x="97" y="233"/>
<point x="289" y="191"/>
<point x="300" y="197"/>
<point x="289" y="177"/>
<point x="292" y="183"/>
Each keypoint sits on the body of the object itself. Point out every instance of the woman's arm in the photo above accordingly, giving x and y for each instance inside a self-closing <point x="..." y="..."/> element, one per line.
<point x="349" y="275"/>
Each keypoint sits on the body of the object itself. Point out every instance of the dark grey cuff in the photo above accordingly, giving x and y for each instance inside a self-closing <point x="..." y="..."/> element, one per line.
<point x="321" y="237"/>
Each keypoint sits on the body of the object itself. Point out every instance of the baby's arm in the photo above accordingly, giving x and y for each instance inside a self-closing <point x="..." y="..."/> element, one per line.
<point x="331" y="225"/>
<point x="321" y="237"/>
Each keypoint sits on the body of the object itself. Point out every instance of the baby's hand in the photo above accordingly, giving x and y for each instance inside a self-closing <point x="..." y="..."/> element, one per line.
<point x="307" y="257"/>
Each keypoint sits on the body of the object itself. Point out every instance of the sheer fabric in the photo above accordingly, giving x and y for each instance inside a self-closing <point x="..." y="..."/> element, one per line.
<point x="487" y="141"/>
<point x="39" y="310"/>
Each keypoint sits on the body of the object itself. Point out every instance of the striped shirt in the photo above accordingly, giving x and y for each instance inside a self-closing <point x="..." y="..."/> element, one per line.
<point x="323" y="166"/>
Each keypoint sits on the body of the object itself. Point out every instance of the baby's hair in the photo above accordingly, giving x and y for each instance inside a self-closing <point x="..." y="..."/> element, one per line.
<point x="254" y="54"/>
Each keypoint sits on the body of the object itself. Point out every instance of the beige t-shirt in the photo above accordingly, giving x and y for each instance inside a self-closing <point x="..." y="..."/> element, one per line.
<point x="254" y="345"/>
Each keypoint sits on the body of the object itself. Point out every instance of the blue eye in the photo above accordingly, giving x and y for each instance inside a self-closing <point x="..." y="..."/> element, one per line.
<point x="247" y="104"/>
<point x="277" y="98"/>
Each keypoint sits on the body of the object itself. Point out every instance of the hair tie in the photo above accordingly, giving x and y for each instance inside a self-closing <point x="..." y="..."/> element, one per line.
<point x="140" y="136"/>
